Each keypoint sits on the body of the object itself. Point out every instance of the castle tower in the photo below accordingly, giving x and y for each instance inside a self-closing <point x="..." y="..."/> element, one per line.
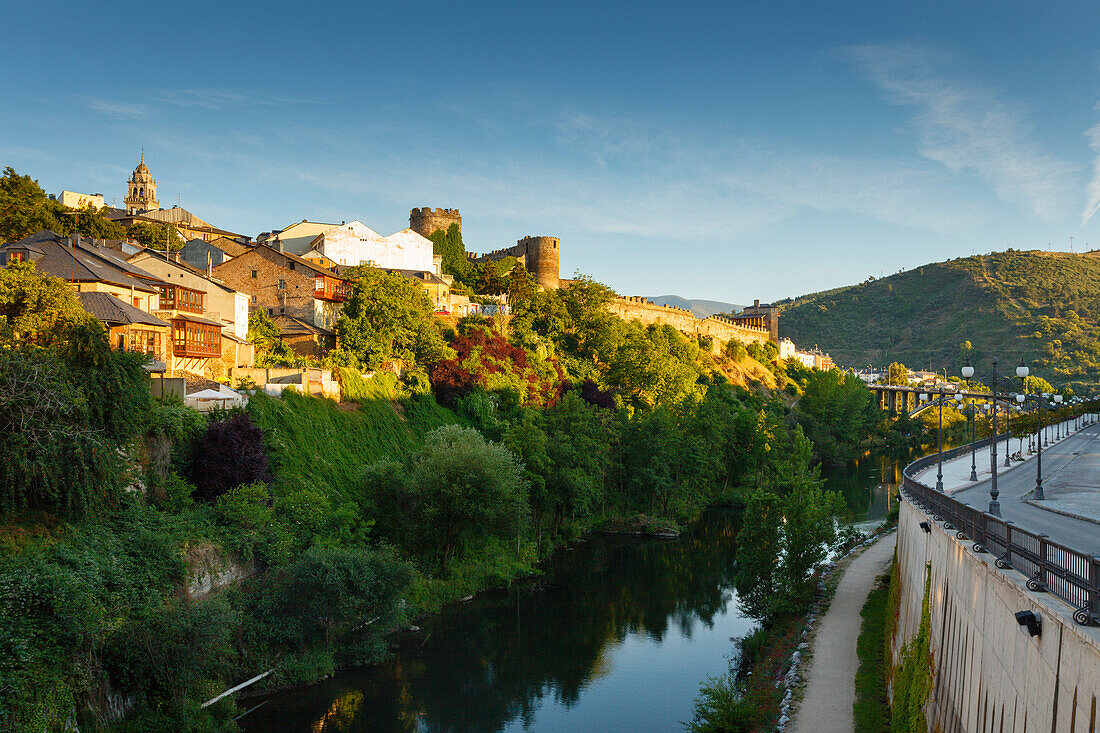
<point x="142" y="190"/>
<point x="542" y="254"/>
<point x="426" y="221"/>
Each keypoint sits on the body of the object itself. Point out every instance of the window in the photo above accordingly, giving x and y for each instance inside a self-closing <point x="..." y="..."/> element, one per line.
<point x="253" y="298"/>
<point x="253" y="273"/>
<point x="282" y="284"/>
<point x="16" y="257"/>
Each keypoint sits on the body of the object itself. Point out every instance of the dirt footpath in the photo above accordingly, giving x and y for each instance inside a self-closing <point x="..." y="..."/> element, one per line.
<point x="831" y="676"/>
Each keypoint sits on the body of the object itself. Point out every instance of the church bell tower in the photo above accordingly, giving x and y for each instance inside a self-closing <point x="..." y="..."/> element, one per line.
<point x="142" y="190"/>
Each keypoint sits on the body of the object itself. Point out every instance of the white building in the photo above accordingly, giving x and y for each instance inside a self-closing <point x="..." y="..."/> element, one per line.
<point x="355" y="243"/>
<point x="75" y="200"/>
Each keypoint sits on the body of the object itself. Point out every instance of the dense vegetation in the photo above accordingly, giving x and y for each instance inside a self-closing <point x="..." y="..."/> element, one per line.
<point x="25" y="209"/>
<point x="1039" y="307"/>
<point x="497" y="442"/>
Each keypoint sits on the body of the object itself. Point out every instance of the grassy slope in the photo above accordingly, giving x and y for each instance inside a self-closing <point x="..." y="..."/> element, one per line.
<point x="1037" y="306"/>
<point x="319" y="441"/>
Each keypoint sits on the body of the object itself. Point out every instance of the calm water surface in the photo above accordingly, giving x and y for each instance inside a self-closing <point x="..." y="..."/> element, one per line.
<point x="617" y="635"/>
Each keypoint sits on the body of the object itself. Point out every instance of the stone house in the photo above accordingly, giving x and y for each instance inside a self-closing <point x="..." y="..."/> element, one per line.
<point x="285" y="284"/>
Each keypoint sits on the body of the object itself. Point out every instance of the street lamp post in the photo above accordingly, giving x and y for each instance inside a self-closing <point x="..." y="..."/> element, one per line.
<point x="968" y="372"/>
<point x="994" y="505"/>
<point x="1058" y="425"/>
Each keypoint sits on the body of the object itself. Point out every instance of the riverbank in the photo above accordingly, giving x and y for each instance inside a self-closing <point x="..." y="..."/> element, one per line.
<point x="825" y="704"/>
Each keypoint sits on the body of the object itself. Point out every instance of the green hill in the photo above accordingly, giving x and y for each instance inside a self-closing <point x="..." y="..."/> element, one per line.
<point x="1041" y="307"/>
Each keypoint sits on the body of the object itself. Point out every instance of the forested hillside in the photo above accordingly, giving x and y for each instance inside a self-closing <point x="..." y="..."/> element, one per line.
<point x="1041" y="307"/>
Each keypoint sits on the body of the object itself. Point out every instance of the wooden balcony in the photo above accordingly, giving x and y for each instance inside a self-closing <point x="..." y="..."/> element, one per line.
<point x="179" y="298"/>
<point x="196" y="338"/>
<point x="331" y="288"/>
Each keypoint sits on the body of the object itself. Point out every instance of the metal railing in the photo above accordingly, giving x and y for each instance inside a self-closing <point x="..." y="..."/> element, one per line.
<point x="1049" y="566"/>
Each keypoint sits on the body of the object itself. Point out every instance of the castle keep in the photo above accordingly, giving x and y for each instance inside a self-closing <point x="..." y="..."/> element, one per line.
<point x="426" y="220"/>
<point x="538" y="254"/>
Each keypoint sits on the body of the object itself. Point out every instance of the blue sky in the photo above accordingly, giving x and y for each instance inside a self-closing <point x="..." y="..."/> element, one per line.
<point x="728" y="151"/>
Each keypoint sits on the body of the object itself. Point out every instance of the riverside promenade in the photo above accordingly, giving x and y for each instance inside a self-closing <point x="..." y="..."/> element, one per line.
<point x="1071" y="481"/>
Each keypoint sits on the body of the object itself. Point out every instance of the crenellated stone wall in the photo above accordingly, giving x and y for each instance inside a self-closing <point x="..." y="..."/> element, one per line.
<point x="719" y="328"/>
<point x="988" y="674"/>
<point x="426" y="220"/>
<point x="540" y="255"/>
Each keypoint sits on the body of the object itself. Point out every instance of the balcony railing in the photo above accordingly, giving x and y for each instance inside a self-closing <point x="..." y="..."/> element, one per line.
<point x="195" y="340"/>
<point x="331" y="288"/>
<point x="1049" y="566"/>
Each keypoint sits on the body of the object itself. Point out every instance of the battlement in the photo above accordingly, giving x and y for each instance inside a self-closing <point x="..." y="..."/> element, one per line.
<point x="429" y="211"/>
<point x="425" y="221"/>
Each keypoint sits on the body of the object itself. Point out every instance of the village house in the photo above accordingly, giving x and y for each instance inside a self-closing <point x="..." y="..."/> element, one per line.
<point x="184" y="287"/>
<point x="284" y="284"/>
<point x="355" y="243"/>
<point x="297" y="238"/>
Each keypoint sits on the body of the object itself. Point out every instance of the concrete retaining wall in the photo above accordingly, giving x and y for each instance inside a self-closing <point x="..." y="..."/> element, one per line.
<point x="988" y="674"/>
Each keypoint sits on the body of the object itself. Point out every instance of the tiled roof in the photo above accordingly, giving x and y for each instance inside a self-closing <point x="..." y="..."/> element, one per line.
<point x="115" y="311"/>
<point x="291" y="326"/>
<point x="55" y="255"/>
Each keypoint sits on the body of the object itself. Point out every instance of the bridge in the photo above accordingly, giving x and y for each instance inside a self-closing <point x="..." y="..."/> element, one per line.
<point x="907" y="399"/>
<point x="1011" y="603"/>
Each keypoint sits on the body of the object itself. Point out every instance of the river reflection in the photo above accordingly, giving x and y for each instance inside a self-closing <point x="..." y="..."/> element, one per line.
<point x="615" y="636"/>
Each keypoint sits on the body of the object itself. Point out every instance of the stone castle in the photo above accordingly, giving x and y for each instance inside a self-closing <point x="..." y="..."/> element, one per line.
<point x="427" y="220"/>
<point x="538" y="254"/>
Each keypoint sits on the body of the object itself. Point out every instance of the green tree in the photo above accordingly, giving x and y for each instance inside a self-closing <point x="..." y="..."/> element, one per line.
<point x="388" y="317"/>
<point x="455" y="262"/>
<point x="897" y="375"/>
<point x="92" y="222"/>
<point x="155" y="236"/>
<point x="783" y="540"/>
<point x="458" y="489"/>
<point x="25" y="208"/>
<point x="36" y="308"/>
<point x="837" y="411"/>
<point x="521" y="285"/>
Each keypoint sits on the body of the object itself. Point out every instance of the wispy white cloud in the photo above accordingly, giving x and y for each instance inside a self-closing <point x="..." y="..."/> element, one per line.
<point x="1092" y="190"/>
<point x="969" y="128"/>
<point x="118" y="110"/>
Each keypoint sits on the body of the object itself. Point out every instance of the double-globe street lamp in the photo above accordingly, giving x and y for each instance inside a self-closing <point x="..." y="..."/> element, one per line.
<point x="994" y="379"/>
<point x="939" y="471"/>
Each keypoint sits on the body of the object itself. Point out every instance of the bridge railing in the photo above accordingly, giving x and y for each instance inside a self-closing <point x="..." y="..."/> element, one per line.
<point x="1049" y="566"/>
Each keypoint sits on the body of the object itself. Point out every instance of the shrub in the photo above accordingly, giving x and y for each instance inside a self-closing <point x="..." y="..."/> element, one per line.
<point x="230" y="452"/>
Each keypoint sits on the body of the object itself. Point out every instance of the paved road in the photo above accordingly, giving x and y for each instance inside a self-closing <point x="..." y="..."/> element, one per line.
<point x="1063" y="464"/>
<point x="831" y="676"/>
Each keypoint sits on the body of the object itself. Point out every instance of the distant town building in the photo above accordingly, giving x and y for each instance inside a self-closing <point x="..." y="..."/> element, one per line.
<point x="75" y="200"/>
<point x="297" y="238"/>
<point x="285" y="284"/>
<point x="204" y="255"/>
<point x="354" y="243"/>
<point x="760" y="316"/>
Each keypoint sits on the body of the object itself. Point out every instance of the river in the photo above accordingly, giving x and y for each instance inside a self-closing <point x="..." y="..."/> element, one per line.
<point x="616" y="635"/>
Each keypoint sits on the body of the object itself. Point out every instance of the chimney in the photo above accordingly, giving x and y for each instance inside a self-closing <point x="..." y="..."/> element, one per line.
<point x="209" y="264"/>
<point x="279" y="241"/>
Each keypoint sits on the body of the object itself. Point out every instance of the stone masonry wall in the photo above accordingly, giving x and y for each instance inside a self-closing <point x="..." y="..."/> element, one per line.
<point x="426" y="220"/>
<point x="720" y="329"/>
<point x="540" y="255"/>
<point x="297" y="296"/>
<point x="988" y="674"/>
